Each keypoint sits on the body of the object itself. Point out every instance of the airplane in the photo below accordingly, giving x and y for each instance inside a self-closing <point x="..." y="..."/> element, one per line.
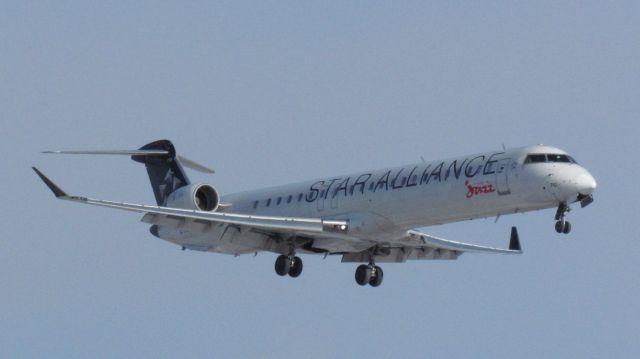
<point x="367" y="217"/>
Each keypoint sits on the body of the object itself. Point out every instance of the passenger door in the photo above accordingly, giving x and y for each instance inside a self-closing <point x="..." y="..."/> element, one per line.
<point x="502" y="176"/>
<point x="321" y="198"/>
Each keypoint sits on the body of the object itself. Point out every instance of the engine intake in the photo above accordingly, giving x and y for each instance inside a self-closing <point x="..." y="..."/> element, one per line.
<point x="201" y="197"/>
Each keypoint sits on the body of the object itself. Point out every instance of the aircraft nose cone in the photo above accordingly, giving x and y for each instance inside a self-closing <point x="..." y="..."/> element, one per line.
<point x="586" y="184"/>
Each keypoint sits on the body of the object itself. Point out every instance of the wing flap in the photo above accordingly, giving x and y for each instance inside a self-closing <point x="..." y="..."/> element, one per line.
<point x="420" y="246"/>
<point x="418" y="239"/>
<point x="402" y="254"/>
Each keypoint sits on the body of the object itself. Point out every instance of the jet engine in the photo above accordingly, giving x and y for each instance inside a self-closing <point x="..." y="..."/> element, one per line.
<point x="201" y="197"/>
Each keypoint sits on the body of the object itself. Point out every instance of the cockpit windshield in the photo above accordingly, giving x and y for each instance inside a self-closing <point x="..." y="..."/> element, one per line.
<point x="548" y="157"/>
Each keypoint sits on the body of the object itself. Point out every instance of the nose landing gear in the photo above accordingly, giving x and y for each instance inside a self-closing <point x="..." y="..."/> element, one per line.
<point x="562" y="225"/>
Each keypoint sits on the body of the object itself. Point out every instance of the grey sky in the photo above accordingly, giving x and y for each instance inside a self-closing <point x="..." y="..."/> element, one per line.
<point x="271" y="92"/>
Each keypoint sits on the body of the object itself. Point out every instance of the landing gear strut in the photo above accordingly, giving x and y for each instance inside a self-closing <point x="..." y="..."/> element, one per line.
<point x="369" y="274"/>
<point x="291" y="265"/>
<point x="562" y="225"/>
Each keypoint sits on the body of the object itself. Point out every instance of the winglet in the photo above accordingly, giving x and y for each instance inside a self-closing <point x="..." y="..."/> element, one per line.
<point x="52" y="186"/>
<point x="514" y="243"/>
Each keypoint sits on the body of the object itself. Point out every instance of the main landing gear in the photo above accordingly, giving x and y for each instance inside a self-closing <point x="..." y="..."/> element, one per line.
<point x="365" y="274"/>
<point x="291" y="265"/>
<point x="369" y="274"/>
<point x="562" y="225"/>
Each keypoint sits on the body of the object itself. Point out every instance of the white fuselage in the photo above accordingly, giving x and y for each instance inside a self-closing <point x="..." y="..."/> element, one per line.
<point x="388" y="202"/>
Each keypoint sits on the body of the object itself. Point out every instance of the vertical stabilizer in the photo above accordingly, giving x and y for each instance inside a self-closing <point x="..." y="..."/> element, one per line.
<point x="165" y="172"/>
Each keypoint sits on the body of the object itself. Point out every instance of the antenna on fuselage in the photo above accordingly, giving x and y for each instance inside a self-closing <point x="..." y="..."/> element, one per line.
<point x="503" y="147"/>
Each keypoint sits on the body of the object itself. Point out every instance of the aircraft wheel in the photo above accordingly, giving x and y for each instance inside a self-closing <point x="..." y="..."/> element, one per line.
<point x="560" y="226"/>
<point x="376" y="280"/>
<point x="296" y="267"/>
<point x="567" y="227"/>
<point x="283" y="265"/>
<point x="363" y="274"/>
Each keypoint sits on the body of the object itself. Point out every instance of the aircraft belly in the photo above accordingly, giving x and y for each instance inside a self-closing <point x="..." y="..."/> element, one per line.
<point x="217" y="238"/>
<point x="232" y="240"/>
<point x="334" y="245"/>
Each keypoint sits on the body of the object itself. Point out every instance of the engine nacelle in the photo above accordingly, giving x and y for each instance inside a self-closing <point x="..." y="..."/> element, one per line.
<point x="201" y="197"/>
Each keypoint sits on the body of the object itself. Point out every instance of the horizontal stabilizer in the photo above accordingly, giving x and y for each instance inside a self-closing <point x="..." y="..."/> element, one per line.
<point x="111" y="152"/>
<point x="194" y="165"/>
<point x="138" y="153"/>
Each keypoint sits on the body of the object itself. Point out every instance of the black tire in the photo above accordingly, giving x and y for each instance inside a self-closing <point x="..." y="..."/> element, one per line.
<point x="296" y="267"/>
<point x="363" y="274"/>
<point x="560" y="226"/>
<point x="567" y="227"/>
<point x="283" y="265"/>
<point x="376" y="280"/>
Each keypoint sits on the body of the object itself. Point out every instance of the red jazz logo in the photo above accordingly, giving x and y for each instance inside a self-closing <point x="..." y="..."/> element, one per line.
<point x="474" y="190"/>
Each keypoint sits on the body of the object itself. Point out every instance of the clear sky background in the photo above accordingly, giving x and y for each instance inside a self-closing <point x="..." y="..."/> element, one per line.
<point x="271" y="92"/>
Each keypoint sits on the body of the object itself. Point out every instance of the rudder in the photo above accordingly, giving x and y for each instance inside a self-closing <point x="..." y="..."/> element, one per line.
<point x="165" y="172"/>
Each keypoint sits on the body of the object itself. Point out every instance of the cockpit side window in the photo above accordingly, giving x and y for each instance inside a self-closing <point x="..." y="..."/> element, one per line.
<point x="559" y="158"/>
<point x="542" y="158"/>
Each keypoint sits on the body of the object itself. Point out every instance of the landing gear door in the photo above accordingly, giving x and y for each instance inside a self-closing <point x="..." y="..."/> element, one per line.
<point x="502" y="176"/>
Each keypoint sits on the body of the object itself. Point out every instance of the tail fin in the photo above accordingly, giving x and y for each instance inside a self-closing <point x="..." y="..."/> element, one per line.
<point x="163" y="166"/>
<point x="165" y="172"/>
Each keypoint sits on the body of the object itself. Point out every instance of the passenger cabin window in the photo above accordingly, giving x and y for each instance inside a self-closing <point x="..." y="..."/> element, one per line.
<point x="300" y="197"/>
<point x="289" y="198"/>
<point x="268" y="202"/>
<point x="255" y="204"/>
<point x="279" y="200"/>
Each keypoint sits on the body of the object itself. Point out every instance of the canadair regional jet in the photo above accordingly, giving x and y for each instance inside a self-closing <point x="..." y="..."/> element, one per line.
<point x="365" y="217"/>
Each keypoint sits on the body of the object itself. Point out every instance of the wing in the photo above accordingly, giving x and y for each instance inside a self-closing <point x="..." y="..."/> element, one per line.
<point x="280" y="224"/>
<point x="416" y="245"/>
<point x="328" y="235"/>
